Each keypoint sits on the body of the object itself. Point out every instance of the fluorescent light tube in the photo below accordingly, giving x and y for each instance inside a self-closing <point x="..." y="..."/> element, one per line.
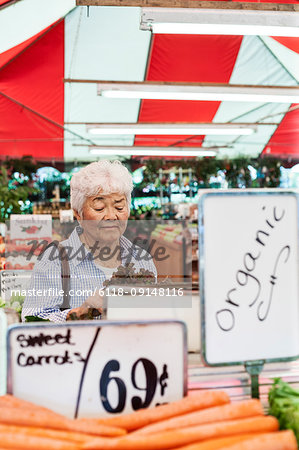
<point x="222" y="29"/>
<point x="220" y="21"/>
<point x="176" y="129"/>
<point x="144" y="151"/>
<point x="173" y="91"/>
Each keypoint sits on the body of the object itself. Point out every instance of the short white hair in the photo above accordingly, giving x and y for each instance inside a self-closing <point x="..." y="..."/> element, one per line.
<point x="103" y="177"/>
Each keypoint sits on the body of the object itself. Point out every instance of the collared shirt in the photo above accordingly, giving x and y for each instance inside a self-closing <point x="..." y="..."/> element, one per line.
<point x="45" y="295"/>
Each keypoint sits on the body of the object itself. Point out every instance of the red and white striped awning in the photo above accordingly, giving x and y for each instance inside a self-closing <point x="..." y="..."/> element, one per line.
<point x="42" y="115"/>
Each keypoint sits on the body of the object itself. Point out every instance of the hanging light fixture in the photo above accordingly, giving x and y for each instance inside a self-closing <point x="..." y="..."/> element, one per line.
<point x="198" y="91"/>
<point x="232" y="129"/>
<point x="220" y="22"/>
<point x="152" y="151"/>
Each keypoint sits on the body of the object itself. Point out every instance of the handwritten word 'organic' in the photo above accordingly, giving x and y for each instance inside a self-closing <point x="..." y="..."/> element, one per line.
<point x="245" y="276"/>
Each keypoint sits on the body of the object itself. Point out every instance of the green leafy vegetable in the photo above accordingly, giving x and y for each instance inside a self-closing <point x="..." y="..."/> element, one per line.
<point x="35" y="319"/>
<point x="284" y="405"/>
<point x="15" y="302"/>
<point x="127" y="275"/>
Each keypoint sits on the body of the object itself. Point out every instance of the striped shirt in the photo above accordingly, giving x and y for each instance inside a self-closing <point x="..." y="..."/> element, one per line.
<point x="45" y="295"/>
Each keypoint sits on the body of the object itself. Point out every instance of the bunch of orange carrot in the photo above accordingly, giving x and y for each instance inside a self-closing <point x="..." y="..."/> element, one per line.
<point x="205" y="420"/>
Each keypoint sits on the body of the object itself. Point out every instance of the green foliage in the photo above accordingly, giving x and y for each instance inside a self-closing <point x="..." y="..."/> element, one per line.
<point x="268" y="171"/>
<point x="11" y="193"/>
<point x="284" y="405"/>
<point x="35" y="319"/>
<point x="25" y="165"/>
<point x="206" y="168"/>
<point x="237" y="173"/>
<point x="15" y="302"/>
<point x="151" y="171"/>
<point x="126" y="274"/>
<point x="48" y="187"/>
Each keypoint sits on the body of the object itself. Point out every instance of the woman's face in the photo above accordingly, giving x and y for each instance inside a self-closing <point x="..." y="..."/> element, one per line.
<point x="105" y="216"/>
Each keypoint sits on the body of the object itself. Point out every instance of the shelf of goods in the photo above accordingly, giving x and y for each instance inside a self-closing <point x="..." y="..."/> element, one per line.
<point x="177" y="249"/>
<point x="181" y="245"/>
<point x="51" y="207"/>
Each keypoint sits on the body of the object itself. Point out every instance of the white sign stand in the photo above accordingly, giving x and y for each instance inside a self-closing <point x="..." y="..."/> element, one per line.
<point x="92" y="369"/>
<point x="249" y="278"/>
<point x="3" y="328"/>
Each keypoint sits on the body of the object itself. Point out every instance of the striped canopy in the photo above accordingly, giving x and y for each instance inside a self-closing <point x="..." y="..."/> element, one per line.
<point x="42" y="115"/>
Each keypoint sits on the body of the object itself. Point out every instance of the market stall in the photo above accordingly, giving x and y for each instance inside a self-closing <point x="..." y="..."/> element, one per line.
<point x="149" y="302"/>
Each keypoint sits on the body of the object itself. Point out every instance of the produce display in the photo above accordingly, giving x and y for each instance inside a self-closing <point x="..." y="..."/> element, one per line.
<point x="126" y="274"/>
<point x="284" y="404"/>
<point x="169" y="233"/>
<point x="204" y="420"/>
<point x="22" y="254"/>
<point x="15" y="302"/>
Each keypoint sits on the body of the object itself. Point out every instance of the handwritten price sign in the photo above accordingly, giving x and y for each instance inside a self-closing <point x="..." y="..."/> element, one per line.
<point x="249" y="276"/>
<point x="13" y="280"/>
<point x="90" y="369"/>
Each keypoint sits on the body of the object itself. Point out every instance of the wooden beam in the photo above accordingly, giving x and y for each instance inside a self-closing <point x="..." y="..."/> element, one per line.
<point x="179" y="83"/>
<point x="193" y="4"/>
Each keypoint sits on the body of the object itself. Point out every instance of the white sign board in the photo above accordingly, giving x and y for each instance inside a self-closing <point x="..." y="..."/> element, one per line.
<point x="87" y="369"/>
<point x="152" y="303"/>
<point x="249" y="276"/>
<point x="30" y="225"/>
<point x="13" y="281"/>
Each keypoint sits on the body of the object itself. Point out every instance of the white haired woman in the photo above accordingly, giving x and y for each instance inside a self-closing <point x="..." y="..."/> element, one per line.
<point x="70" y="276"/>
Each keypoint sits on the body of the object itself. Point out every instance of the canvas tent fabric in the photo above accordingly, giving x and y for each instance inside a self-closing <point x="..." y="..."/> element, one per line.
<point x="42" y="115"/>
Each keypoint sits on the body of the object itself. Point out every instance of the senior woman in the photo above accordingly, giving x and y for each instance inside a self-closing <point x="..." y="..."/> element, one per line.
<point x="100" y="199"/>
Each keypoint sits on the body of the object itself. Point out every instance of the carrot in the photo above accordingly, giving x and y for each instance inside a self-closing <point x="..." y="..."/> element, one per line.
<point x="230" y="411"/>
<point x="96" y="429"/>
<point x="24" y="441"/>
<point x="219" y="443"/>
<point x="184" y="436"/>
<point x="34" y="418"/>
<point x="282" y="440"/>
<point x="143" y="417"/>
<point x="14" y="402"/>
<point x="47" y="433"/>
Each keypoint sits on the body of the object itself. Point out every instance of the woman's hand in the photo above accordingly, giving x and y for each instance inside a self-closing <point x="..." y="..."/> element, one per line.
<point x="94" y="302"/>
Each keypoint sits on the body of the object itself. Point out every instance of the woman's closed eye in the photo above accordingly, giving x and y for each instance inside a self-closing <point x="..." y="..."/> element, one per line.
<point x="120" y="208"/>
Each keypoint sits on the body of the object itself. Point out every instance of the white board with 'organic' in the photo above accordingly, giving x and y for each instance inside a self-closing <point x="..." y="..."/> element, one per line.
<point x="93" y="369"/>
<point x="249" y="276"/>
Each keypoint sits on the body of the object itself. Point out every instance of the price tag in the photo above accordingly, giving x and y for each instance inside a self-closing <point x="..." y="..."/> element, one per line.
<point x="30" y="225"/>
<point x="14" y="282"/>
<point x="87" y="369"/>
